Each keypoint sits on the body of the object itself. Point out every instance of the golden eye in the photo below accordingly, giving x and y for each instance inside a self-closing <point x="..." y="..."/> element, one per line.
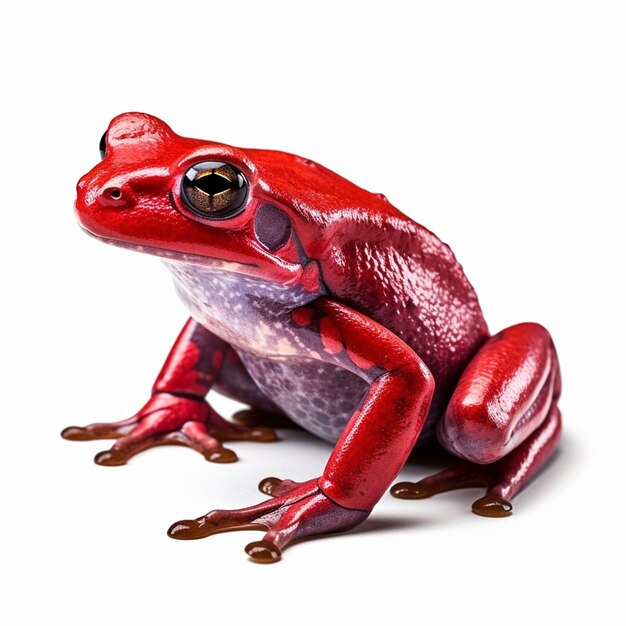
<point x="214" y="190"/>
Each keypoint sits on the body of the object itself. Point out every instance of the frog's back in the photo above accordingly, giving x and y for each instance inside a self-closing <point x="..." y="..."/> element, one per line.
<point x="410" y="282"/>
<point x="380" y="262"/>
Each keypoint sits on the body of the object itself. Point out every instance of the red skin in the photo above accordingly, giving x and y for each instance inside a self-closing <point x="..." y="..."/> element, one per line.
<point x="389" y="302"/>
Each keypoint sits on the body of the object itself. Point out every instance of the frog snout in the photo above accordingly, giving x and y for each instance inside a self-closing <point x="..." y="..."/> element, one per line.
<point x="114" y="194"/>
<point x="101" y="203"/>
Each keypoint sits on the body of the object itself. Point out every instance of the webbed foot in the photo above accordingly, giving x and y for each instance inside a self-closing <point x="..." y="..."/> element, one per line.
<point x="300" y="512"/>
<point x="459" y="476"/>
<point x="168" y="419"/>
<point x="502" y="479"/>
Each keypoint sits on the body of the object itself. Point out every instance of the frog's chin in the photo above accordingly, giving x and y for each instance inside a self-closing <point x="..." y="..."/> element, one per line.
<point x="171" y="255"/>
<point x="187" y="258"/>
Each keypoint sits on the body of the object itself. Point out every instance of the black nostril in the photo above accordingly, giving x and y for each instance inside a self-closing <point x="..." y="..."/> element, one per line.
<point x="114" y="197"/>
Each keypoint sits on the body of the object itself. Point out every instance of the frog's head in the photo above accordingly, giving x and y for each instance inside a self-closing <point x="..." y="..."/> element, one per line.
<point x="258" y="212"/>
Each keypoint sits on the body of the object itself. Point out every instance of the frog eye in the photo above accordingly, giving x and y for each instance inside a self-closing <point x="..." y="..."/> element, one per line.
<point x="214" y="190"/>
<point x="103" y="146"/>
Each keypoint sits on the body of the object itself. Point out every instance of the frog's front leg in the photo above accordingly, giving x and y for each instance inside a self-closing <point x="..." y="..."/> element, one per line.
<point x="502" y="419"/>
<point x="368" y="455"/>
<point x="177" y="412"/>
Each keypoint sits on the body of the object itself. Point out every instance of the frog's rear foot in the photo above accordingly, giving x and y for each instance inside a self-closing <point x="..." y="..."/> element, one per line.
<point x="459" y="476"/>
<point x="502" y="419"/>
<point x="502" y="479"/>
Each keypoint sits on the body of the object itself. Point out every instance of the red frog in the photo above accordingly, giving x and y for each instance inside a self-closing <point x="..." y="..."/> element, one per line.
<point x="314" y="300"/>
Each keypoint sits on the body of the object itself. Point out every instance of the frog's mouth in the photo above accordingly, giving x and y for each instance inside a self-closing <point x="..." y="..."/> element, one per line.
<point x="171" y="255"/>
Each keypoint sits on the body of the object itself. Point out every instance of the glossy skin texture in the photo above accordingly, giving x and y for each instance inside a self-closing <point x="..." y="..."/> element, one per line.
<point x="318" y="301"/>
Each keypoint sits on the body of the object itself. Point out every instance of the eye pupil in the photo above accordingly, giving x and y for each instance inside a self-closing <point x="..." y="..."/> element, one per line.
<point x="213" y="183"/>
<point x="214" y="190"/>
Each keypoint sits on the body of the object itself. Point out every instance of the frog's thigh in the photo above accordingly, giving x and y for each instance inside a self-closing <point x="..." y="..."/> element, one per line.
<point x="507" y="392"/>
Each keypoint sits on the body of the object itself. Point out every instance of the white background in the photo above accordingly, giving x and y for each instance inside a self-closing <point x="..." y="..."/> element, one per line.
<point x="499" y="125"/>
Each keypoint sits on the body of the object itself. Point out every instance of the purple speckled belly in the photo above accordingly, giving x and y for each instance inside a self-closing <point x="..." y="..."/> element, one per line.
<point x="318" y="396"/>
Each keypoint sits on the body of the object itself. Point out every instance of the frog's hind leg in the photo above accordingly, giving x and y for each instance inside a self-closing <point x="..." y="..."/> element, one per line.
<point x="502" y="419"/>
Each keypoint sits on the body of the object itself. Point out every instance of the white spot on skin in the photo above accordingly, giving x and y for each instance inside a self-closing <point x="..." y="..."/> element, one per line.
<point x="286" y="348"/>
<point x="265" y="331"/>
